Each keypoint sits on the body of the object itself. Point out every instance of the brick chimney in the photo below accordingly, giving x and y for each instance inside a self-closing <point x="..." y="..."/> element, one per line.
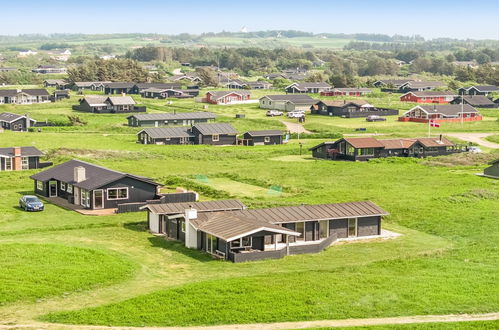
<point x="16" y="160"/>
<point x="79" y="174"/>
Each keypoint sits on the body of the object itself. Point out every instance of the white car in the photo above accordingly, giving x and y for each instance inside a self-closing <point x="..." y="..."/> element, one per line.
<point x="272" y="113"/>
<point x="296" y="114"/>
<point x="474" y="150"/>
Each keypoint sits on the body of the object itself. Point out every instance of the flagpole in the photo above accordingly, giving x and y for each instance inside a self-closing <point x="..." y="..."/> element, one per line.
<point x="429" y="126"/>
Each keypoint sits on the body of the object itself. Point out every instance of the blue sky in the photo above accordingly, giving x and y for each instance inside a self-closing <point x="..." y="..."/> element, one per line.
<point x="445" y="18"/>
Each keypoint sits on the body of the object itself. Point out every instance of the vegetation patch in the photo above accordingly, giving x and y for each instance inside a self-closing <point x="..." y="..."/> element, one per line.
<point x="473" y="196"/>
<point x="34" y="271"/>
<point x="460" y="159"/>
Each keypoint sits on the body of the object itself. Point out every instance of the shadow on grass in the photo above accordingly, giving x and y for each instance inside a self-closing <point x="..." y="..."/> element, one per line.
<point x="177" y="246"/>
<point x="140" y="226"/>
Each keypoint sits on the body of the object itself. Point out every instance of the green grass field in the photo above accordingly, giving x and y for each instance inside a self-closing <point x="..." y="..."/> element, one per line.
<point x="108" y="270"/>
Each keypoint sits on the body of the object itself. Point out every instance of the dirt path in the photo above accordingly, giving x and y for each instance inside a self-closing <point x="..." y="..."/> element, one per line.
<point x="289" y="325"/>
<point x="478" y="138"/>
<point x="295" y="127"/>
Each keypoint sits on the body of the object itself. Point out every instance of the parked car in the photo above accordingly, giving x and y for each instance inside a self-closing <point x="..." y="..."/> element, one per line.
<point x="296" y="114"/>
<point x="375" y="118"/>
<point x="474" y="150"/>
<point x="272" y="113"/>
<point x="30" y="203"/>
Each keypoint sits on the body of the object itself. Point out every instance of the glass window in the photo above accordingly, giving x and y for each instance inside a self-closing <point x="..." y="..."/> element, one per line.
<point x="8" y="164"/>
<point x="215" y="137"/>
<point x="39" y="185"/>
<point x="63" y="186"/>
<point x="323" y="229"/>
<point x="24" y="163"/>
<point x="182" y="226"/>
<point x="300" y="228"/>
<point x="267" y="139"/>
<point x="352" y="227"/>
<point x="69" y="188"/>
<point x="117" y="193"/>
<point x="366" y="152"/>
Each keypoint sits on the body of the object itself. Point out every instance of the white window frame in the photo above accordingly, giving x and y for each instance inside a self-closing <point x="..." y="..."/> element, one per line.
<point x="39" y="185"/>
<point x="266" y="139"/>
<point x="25" y="163"/>
<point x="182" y="226"/>
<point x="8" y="164"/>
<point x="69" y="188"/>
<point x="63" y="186"/>
<point x="215" y="137"/>
<point x="117" y="194"/>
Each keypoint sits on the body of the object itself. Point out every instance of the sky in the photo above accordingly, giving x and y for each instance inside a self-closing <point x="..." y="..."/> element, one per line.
<point x="432" y="19"/>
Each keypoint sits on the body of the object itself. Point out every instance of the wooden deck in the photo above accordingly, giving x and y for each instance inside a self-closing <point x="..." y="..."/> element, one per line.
<point x="61" y="202"/>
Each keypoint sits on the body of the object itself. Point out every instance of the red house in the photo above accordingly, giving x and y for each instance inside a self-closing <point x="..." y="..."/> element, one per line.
<point x="441" y="113"/>
<point x="346" y="92"/>
<point x="227" y="97"/>
<point x="428" y="97"/>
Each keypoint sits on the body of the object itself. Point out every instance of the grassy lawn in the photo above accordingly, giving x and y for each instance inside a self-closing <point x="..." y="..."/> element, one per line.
<point x="110" y="271"/>
<point x="433" y="326"/>
<point x="34" y="271"/>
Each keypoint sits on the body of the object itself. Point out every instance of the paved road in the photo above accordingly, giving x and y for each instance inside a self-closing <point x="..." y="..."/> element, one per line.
<point x="478" y="138"/>
<point x="287" y="325"/>
<point x="295" y="127"/>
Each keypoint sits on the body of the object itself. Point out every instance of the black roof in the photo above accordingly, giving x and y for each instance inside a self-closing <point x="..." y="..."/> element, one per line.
<point x="14" y="92"/>
<point x="174" y="116"/>
<point x="219" y="128"/>
<point x="167" y="132"/>
<point x="157" y="85"/>
<point x="10" y="117"/>
<point x="289" y="97"/>
<point x="120" y="85"/>
<point x="25" y="152"/>
<point x="96" y="176"/>
<point x="269" y="132"/>
<point x="475" y="100"/>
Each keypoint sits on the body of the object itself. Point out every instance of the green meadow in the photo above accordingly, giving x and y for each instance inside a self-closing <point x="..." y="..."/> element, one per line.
<point x="59" y="266"/>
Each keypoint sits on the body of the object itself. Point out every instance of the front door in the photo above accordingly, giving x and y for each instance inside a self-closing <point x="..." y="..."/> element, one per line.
<point x="52" y="188"/>
<point x="98" y="199"/>
<point x="76" y="196"/>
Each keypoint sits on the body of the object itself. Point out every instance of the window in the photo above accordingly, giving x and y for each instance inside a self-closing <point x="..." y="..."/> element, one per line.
<point x="352" y="227"/>
<point x="267" y="139"/>
<point x="63" y="186"/>
<point x="366" y="152"/>
<point x="69" y="188"/>
<point x="85" y="198"/>
<point x="323" y="229"/>
<point x="182" y="226"/>
<point x="117" y="193"/>
<point x="25" y="163"/>
<point x="8" y="164"/>
<point x="300" y="228"/>
<point x="350" y="151"/>
<point x="242" y="242"/>
<point x="215" y="137"/>
<point x="39" y="185"/>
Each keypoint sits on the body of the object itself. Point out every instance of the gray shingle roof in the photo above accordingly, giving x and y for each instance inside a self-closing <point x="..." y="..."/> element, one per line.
<point x="10" y="117"/>
<point x="269" y="132"/>
<point x="167" y="132"/>
<point x="175" y="116"/>
<point x="96" y="176"/>
<point x="219" y="94"/>
<point x="485" y="88"/>
<point x="208" y="206"/>
<point x="218" y="128"/>
<point x="448" y="109"/>
<point x="289" y="97"/>
<point x="476" y="100"/>
<point x="25" y="152"/>
<point x="34" y="92"/>
<point x="121" y="100"/>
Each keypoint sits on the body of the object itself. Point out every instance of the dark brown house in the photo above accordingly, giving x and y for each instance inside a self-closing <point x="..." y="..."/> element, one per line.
<point x="493" y="170"/>
<point x="264" y="137"/>
<point x="159" y="93"/>
<point x="108" y="104"/>
<point x="349" y="109"/>
<point x="15" y="122"/>
<point x="170" y="119"/>
<point x="210" y="134"/>
<point x="19" y="158"/>
<point x="214" y="134"/>
<point x="93" y="187"/>
<point x="227" y="230"/>
<point x="362" y="149"/>
<point x="476" y="101"/>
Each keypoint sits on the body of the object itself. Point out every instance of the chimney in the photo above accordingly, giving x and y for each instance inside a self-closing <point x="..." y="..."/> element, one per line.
<point x="28" y="121"/>
<point x="16" y="161"/>
<point x="79" y="174"/>
<point x="190" y="231"/>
